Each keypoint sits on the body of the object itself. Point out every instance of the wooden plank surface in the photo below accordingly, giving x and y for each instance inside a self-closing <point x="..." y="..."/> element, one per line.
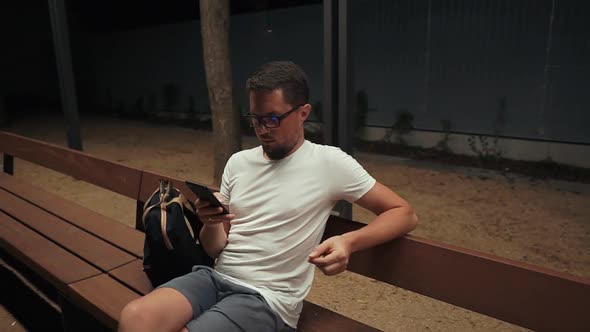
<point x="101" y="226"/>
<point x="85" y="245"/>
<point x="101" y="296"/>
<point x="109" y="175"/>
<point x="49" y="260"/>
<point x="515" y="292"/>
<point x="132" y="276"/>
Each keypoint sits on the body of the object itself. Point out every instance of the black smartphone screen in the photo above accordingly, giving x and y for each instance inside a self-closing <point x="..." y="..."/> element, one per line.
<point x="204" y="193"/>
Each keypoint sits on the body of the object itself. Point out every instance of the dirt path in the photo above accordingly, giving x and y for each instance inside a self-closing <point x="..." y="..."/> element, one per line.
<point x="517" y="218"/>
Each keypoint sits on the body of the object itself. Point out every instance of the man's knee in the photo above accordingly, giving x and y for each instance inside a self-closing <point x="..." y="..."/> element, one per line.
<point x="135" y="317"/>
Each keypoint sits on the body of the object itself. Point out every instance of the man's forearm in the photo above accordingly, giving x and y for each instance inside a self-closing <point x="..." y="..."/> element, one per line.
<point x="387" y="226"/>
<point x="213" y="239"/>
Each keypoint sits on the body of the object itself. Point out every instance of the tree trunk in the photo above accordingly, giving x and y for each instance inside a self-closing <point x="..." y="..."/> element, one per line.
<point x="226" y="122"/>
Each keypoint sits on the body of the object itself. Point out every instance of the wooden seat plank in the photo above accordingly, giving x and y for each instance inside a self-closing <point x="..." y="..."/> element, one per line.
<point x="106" y="174"/>
<point x="102" y="296"/>
<point x="112" y="231"/>
<point x="132" y="275"/>
<point x="53" y="263"/>
<point x="90" y="248"/>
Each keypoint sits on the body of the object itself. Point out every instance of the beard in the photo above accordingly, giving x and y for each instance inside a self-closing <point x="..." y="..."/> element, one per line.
<point x="275" y="153"/>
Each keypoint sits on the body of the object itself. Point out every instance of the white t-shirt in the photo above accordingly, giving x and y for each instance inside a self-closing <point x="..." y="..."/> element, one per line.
<point x="281" y="209"/>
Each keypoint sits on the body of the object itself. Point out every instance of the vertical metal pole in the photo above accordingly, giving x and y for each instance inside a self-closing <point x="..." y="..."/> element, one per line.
<point x="345" y="132"/>
<point x="542" y="128"/>
<point x="330" y="71"/>
<point x="427" y="59"/>
<point x="65" y="73"/>
<point x="337" y="92"/>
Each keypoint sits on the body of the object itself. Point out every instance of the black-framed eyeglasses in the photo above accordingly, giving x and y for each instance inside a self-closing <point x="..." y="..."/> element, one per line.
<point x="268" y="121"/>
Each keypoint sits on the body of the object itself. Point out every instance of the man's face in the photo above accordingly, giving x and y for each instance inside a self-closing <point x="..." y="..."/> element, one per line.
<point x="278" y="142"/>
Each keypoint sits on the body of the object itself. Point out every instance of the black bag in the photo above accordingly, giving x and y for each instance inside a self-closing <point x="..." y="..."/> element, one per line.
<point x="172" y="228"/>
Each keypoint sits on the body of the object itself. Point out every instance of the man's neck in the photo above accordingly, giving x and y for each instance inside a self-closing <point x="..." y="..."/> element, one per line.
<point x="295" y="148"/>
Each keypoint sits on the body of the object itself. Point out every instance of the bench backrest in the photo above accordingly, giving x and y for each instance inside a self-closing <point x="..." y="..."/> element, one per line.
<point x="519" y="293"/>
<point x="109" y="175"/>
<point x="515" y="292"/>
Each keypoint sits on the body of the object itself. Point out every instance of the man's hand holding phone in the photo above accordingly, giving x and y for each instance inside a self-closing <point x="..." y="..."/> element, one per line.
<point x="212" y="215"/>
<point x="211" y="206"/>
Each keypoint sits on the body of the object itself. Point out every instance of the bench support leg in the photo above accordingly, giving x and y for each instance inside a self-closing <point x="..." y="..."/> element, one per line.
<point x="75" y="319"/>
<point x="8" y="164"/>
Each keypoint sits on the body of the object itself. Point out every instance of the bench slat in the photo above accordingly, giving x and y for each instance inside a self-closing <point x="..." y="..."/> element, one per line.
<point x="101" y="226"/>
<point x="102" y="296"/>
<point x="515" y="292"/>
<point x="132" y="275"/>
<point x="49" y="260"/>
<point x="88" y="247"/>
<point x="109" y="175"/>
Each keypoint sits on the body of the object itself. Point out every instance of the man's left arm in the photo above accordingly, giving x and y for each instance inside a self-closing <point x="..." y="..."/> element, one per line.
<point x="395" y="217"/>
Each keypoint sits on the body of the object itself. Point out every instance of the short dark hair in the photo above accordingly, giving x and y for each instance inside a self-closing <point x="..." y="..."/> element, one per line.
<point x="284" y="75"/>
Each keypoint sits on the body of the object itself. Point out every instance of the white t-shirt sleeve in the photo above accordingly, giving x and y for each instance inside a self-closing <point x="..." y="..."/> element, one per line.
<point x="350" y="181"/>
<point x="225" y="181"/>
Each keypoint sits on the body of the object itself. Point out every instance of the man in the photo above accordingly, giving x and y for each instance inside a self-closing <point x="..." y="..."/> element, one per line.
<point x="280" y="195"/>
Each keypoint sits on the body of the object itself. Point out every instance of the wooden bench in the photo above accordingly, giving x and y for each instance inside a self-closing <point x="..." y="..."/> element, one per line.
<point x="94" y="262"/>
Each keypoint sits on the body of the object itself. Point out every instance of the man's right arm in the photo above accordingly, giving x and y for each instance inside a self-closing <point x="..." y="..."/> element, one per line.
<point x="216" y="226"/>
<point x="213" y="237"/>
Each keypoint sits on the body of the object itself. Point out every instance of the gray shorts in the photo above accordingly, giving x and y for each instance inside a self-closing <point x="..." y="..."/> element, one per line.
<point x="220" y="305"/>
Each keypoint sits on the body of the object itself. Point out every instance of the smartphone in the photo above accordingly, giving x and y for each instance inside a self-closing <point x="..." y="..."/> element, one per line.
<point x="205" y="194"/>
